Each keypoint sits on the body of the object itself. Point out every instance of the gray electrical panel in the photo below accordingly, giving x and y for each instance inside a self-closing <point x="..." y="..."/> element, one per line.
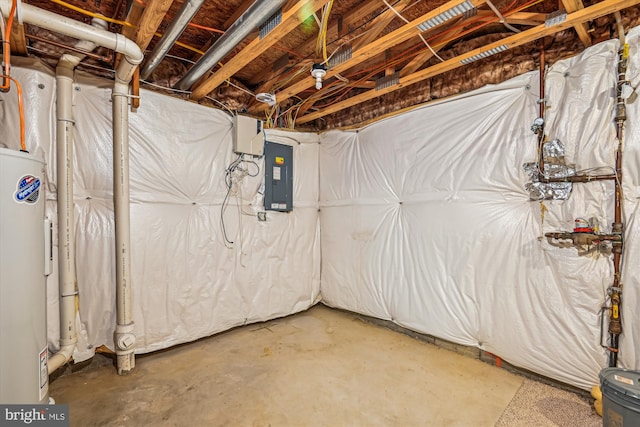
<point x="278" y="177"/>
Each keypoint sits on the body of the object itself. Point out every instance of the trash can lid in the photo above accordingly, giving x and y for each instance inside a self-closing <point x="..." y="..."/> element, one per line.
<point x="621" y="380"/>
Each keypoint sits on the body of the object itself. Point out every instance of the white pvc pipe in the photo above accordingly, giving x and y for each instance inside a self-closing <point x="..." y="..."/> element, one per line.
<point x="66" y="238"/>
<point x="124" y="338"/>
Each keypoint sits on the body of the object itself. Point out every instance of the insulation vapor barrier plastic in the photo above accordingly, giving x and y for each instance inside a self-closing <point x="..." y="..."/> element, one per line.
<point x="186" y="283"/>
<point x="426" y="220"/>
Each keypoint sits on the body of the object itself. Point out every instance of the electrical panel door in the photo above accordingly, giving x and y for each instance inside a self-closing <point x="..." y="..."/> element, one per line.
<point x="278" y="177"/>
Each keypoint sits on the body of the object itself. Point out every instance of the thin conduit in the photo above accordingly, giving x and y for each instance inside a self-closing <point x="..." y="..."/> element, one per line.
<point x="501" y="18"/>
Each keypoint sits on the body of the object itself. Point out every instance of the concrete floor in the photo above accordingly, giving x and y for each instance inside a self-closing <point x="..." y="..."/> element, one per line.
<point x="318" y="368"/>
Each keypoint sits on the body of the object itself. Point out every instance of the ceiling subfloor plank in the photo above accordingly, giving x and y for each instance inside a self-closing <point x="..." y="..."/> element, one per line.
<point x="291" y="19"/>
<point x="372" y="49"/>
<point x="598" y="10"/>
<point x="581" y="28"/>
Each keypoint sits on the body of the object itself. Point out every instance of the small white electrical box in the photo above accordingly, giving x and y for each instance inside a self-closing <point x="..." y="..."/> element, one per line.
<point x="247" y="136"/>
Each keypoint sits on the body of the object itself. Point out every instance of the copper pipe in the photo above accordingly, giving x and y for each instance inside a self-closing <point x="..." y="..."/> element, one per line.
<point x="596" y="237"/>
<point x="541" y="102"/>
<point x="615" y="292"/>
<point x="542" y="65"/>
<point x="70" y="48"/>
<point x="580" y="178"/>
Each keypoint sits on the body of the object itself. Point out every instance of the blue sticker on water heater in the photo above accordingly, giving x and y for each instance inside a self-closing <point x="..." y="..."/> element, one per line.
<point x="28" y="189"/>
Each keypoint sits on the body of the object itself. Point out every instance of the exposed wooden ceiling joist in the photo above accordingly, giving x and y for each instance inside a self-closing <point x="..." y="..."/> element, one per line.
<point x="18" y="40"/>
<point x="403" y="33"/>
<point x="589" y="13"/>
<point x="151" y="19"/>
<point x="348" y="21"/>
<point x="581" y="28"/>
<point x="133" y="17"/>
<point x="292" y="18"/>
<point x="381" y="22"/>
<point x="522" y="18"/>
<point x="419" y="60"/>
<point x="129" y="31"/>
<point x="526" y="18"/>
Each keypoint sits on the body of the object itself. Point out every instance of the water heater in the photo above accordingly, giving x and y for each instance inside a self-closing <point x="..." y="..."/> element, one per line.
<point x="24" y="376"/>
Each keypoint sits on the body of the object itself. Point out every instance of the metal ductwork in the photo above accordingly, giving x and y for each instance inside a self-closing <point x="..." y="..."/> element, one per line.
<point x="185" y="15"/>
<point x="254" y="16"/>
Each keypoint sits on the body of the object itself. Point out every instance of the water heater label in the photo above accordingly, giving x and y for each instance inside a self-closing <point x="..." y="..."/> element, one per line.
<point x="28" y="189"/>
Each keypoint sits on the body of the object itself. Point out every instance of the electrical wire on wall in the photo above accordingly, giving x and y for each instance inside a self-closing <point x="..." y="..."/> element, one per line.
<point x="234" y="175"/>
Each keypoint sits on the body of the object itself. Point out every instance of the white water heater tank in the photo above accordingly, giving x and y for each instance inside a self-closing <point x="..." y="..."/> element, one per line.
<point x="24" y="377"/>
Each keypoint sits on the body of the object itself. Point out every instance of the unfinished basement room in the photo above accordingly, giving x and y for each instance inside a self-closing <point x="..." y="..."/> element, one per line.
<point x="295" y="213"/>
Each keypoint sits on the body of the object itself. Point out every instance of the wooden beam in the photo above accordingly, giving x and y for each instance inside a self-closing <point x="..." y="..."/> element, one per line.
<point x="290" y="20"/>
<point x="526" y="18"/>
<point x="420" y="59"/>
<point x="522" y="18"/>
<point x="18" y="39"/>
<point x="581" y="28"/>
<point x="150" y="20"/>
<point x="372" y="49"/>
<point x="363" y="9"/>
<point x="133" y="17"/>
<point x="233" y="18"/>
<point x="589" y="13"/>
<point x="238" y="12"/>
<point x="309" y="45"/>
<point x="381" y="22"/>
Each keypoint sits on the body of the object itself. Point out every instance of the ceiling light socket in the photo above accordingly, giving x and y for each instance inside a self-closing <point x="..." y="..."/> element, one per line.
<point x="269" y="98"/>
<point x="318" y="71"/>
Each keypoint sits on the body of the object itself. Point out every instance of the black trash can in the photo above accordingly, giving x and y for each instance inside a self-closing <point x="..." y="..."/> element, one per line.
<point x="620" y="397"/>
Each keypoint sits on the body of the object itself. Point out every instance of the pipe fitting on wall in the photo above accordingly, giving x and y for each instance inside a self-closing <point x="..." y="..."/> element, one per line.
<point x="125" y="339"/>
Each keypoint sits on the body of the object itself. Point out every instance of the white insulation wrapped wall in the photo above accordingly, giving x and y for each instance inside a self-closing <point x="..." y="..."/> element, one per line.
<point x="187" y="283"/>
<point x="424" y="219"/>
<point x="426" y="222"/>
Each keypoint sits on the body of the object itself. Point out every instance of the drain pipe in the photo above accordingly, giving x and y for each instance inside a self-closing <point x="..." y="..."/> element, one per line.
<point x="125" y="340"/>
<point x="66" y="238"/>
<point x="124" y="337"/>
<point x="254" y="16"/>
